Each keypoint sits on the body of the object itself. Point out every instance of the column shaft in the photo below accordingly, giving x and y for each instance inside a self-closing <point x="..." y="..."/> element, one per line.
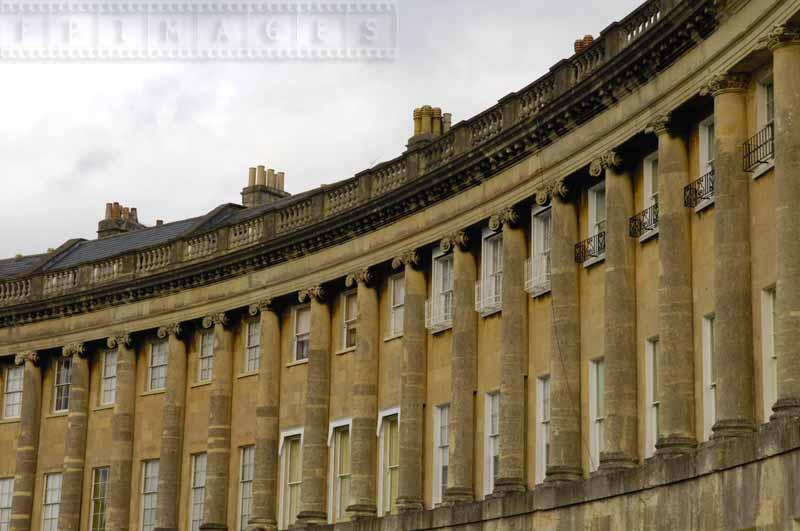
<point x="464" y="362"/>
<point x="363" y="443"/>
<point x="315" y="435"/>
<point x="412" y="391"/>
<point x="69" y="517"/>
<point x="122" y="427"/>
<point x="733" y="337"/>
<point x="27" y="443"/>
<point x="169" y="467"/>
<point x="676" y="362"/>
<point x="786" y="75"/>
<point x="513" y="359"/>
<point x="564" y="464"/>
<point x="215" y="507"/>
<point x="621" y="424"/>
<point x="265" y="478"/>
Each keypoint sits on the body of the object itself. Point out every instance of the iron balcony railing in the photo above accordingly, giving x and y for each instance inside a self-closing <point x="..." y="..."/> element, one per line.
<point x="699" y="191"/>
<point x="760" y="148"/>
<point x="592" y="247"/>
<point x="643" y="222"/>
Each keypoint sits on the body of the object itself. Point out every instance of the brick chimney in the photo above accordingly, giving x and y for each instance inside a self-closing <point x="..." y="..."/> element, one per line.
<point x="263" y="186"/>
<point x="118" y="219"/>
<point x="429" y="124"/>
<point x="582" y="44"/>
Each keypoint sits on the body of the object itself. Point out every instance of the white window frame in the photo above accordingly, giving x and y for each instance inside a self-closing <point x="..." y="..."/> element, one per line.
<point x="383" y="472"/>
<point x="108" y="387"/>
<point x="543" y="407"/>
<point x="651" y="174"/>
<point x="491" y="439"/>
<point x="539" y="266"/>
<point x="706" y="163"/>
<point x="652" y="390"/>
<point x="439" y="314"/>
<point x="62" y="364"/>
<point x="247" y="462"/>
<point x="597" y="413"/>
<point x="149" y="494"/>
<point x="205" y="357"/>
<point x="100" y="497"/>
<point x="51" y="501"/>
<point x="252" y="347"/>
<point x="596" y="223"/>
<point x="396" y="309"/>
<point x="6" y="497"/>
<point x="197" y="492"/>
<point x="489" y="290"/>
<point x="762" y="118"/>
<point x="769" y="359"/>
<point x="13" y="385"/>
<point x="334" y="484"/>
<point x="299" y="337"/>
<point x="284" y="474"/>
<point x="441" y="449"/>
<point x="157" y="372"/>
<point x="349" y="322"/>
<point x="709" y="383"/>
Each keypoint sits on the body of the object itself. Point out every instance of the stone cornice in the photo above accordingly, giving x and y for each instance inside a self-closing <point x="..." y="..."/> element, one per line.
<point x="573" y="92"/>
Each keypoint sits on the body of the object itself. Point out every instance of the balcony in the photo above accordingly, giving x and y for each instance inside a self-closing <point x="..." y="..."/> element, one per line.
<point x="760" y="148"/>
<point x="489" y="295"/>
<point x="700" y="192"/>
<point x="439" y="312"/>
<point x="643" y="223"/>
<point x="591" y="249"/>
<point x="537" y="274"/>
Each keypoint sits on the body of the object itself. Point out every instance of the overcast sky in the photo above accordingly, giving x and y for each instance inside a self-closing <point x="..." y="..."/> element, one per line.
<point x="176" y="139"/>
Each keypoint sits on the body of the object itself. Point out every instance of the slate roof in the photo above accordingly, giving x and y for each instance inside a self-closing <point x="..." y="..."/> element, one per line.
<point x="12" y="267"/>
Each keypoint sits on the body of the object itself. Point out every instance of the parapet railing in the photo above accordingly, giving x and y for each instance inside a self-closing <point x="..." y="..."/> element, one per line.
<point x="296" y="213"/>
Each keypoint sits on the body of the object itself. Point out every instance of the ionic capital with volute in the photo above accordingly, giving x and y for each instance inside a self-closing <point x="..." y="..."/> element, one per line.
<point x="120" y="340"/>
<point x="215" y="319"/>
<point x="506" y="217"/>
<point x="610" y="160"/>
<point x="721" y="83"/>
<point x="31" y="356"/>
<point x="73" y="349"/>
<point x="364" y="276"/>
<point x="458" y="239"/>
<point x="264" y="305"/>
<point x="408" y="258"/>
<point x="785" y="35"/>
<point x="659" y="124"/>
<point x="172" y="329"/>
<point x="314" y="292"/>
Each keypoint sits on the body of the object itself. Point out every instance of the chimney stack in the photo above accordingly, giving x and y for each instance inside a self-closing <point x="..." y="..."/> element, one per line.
<point x="429" y="124"/>
<point x="118" y="219"/>
<point x="582" y="44"/>
<point x="264" y="186"/>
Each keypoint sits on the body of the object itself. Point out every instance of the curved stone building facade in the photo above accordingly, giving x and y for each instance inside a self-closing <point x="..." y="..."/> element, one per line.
<point x="576" y="310"/>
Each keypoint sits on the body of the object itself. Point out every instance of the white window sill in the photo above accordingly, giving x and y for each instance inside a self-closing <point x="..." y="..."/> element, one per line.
<point x="592" y="261"/>
<point x="540" y="291"/>
<point x="347" y="350"/>
<point x="154" y="392"/>
<point x="649" y="235"/>
<point x="392" y="337"/>
<point x="11" y="420"/>
<point x="763" y="168"/>
<point x="247" y="374"/>
<point x="438" y="329"/>
<point x="57" y="414"/>
<point x="488" y="312"/>
<point x="295" y="363"/>
<point x="704" y="204"/>
<point x="200" y="384"/>
<point x="103" y="407"/>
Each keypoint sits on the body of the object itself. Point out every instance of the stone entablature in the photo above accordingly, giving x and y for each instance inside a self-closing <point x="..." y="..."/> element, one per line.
<point x="624" y="57"/>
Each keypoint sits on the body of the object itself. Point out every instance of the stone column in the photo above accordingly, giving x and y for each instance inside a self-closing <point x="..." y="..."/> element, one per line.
<point x="315" y="434"/>
<point x="412" y="385"/>
<point x="784" y="41"/>
<point x="363" y="443"/>
<point x="620" y="441"/>
<point x="676" y="360"/>
<point x="514" y="354"/>
<point x="733" y="334"/>
<point x="564" y="464"/>
<point x="169" y="466"/>
<point x="122" y="427"/>
<point x="215" y="507"/>
<point x="265" y="477"/>
<point x="27" y="442"/>
<point x="464" y="363"/>
<point x="69" y="516"/>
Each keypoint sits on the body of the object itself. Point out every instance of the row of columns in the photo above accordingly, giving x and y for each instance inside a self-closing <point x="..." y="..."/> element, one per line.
<point x="733" y="346"/>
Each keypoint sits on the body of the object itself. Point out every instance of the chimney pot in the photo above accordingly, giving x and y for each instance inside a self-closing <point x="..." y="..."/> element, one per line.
<point x="262" y="176"/>
<point x="251" y="177"/>
<point x="134" y="215"/>
<point x="280" y="182"/>
<point x="579" y="46"/>
<point x="271" y="178"/>
<point x="108" y="210"/>
<point x="115" y="211"/>
<point x="447" y="120"/>
<point x="417" y="121"/>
